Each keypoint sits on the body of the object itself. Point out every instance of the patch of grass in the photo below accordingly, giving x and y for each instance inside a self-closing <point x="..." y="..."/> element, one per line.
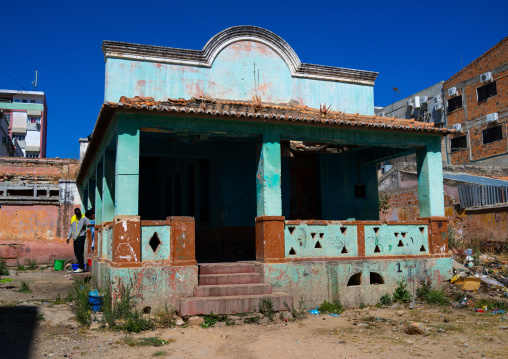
<point x="401" y="293"/>
<point x="386" y="299"/>
<point x="135" y="323"/>
<point x="25" y="288"/>
<point x="31" y="264"/>
<point x="59" y="299"/>
<point x="165" y="316"/>
<point x="492" y="305"/>
<point x="40" y="318"/>
<point x="266" y="308"/>
<point x="331" y="308"/>
<point x="6" y="280"/>
<point x="429" y="295"/>
<point x="20" y="267"/>
<point x="147" y="342"/>
<point x="160" y="353"/>
<point x="252" y="320"/>
<point x="78" y="293"/>
<point x="209" y="320"/>
<point x="4" y="270"/>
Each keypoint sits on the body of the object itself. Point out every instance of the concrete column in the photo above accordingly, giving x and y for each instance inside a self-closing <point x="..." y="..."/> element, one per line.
<point x="98" y="192"/>
<point x="108" y="186"/>
<point x="430" y="179"/>
<point x="268" y="178"/>
<point x="127" y="169"/>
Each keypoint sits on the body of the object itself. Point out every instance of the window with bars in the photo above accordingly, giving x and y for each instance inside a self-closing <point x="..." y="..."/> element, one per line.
<point x="458" y="143"/>
<point x="492" y="134"/>
<point x="454" y="103"/>
<point x="486" y="91"/>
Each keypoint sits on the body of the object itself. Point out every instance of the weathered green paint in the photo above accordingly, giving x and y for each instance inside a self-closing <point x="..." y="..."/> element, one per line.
<point x="127" y="169"/>
<point x="396" y="239"/>
<point x="315" y="282"/>
<point x="98" y="192"/>
<point x="108" y="185"/>
<point x="333" y="238"/>
<point x="106" y="243"/>
<point x="268" y="178"/>
<point x="430" y="179"/>
<point x="163" y="250"/>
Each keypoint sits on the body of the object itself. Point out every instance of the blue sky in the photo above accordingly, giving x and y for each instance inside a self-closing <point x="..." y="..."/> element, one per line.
<point x="412" y="45"/>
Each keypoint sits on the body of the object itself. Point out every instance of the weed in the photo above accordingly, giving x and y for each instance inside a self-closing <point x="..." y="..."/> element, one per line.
<point x="20" y="267"/>
<point x="165" y="317"/>
<point x="423" y="290"/>
<point x="59" y="299"/>
<point x="452" y="240"/>
<point x="160" y="353"/>
<point x="147" y="342"/>
<point x="4" y="270"/>
<point x="78" y="293"/>
<point x="252" y="320"/>
<point x="266" y="308"/>
<point x="492" y="305"/>
<point x="297" y="314"/>
<point x="6" y="280"/>
<point x="135" y="323"/>
<point x="429" y="295"/>
<point x="384" y="205"/>
<point x="386" y="299"/>
<point x="331" y="308"/>
<point x="25" y="288"/>
<point x="31" y="264"/>
<point x="401" y="293"/>
<point x="209" y="320"/>
<point x="40" y="318"/>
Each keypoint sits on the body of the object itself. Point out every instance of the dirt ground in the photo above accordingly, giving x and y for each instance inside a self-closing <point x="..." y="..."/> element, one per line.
<point x="32" y="326"/>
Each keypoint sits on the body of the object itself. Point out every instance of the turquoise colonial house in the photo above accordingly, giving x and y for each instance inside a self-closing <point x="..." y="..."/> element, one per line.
<point x="225" y="175"/>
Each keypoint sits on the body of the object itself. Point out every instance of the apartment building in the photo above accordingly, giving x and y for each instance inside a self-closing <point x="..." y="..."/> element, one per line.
<point x="26" y="115"/>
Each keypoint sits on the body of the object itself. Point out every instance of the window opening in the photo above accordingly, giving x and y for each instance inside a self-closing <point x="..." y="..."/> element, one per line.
<point x="321" y="235"/>
<point x="492" y="134"/>
<point x="154" y="242"/>
<point x="458" y="143"/>
<point x="422" y="229"/>
<point x="396" y="234"/>
<point x="486" y="91"/>
<point x="376" y="278"/>
<point x="376" y="229"/>
<point x="313" y="235"/>
<point x="422" y="249"/>
<point x="343" y="230"/>
<point x="454" y="103"/>
<point x="356" y="279"/>
<point x="404" y="234"/>
<point x="291" y="230"/>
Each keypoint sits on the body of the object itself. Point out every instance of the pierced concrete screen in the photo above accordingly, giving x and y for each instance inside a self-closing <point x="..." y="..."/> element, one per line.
<point x="356" y="279"/>
<point x="376" y="278"/>
<point x="343" y="230"/>
<point x="422" y="249"/>
<point x="318" y="245"/>
<point x="291" y="230"/>
<point x="344" y="250"/>
<point x="292" y="252"/>
<point x="154" y="242"/>
<point x="400" y="244"/>
<point x="377" y="250"/>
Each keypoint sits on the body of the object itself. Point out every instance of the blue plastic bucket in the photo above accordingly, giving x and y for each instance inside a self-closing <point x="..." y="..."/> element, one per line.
<point x="75" y="266"/>
<point x="95" y="300"/>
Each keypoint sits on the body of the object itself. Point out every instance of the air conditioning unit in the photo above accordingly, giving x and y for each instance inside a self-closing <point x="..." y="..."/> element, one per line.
<point x="485" y="77"/>
<point x="438" y="98"/>
<point x="382" y="114"/>
<point x="457" y="127"/>
<point x="409" y="103"/>
<point x="452" y="91"/>
<point x="493" y="117"/>
<point x="417" y="101"/>
<point x="438" y="106"/>
<point x="424" y="99"/>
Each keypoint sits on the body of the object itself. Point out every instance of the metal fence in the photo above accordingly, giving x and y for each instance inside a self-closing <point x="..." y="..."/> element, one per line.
<point x="474" y="195"/>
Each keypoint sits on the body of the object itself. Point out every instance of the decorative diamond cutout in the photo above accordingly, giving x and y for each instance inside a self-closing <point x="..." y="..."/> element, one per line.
<point x="291" y="230"/>
<point x="343" y="230"/>
<point x="313" y="235"/>
<point x="422" y="229"/>
<point x="376" y="229"/>
<point x="154" y="242"/>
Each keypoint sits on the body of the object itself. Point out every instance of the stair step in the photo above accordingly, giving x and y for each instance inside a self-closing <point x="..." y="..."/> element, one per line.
<point x="225" y="268"/>
<point x="230" y="278"/>
<point x="232" y="289"/>
<point x="231" y="304"/>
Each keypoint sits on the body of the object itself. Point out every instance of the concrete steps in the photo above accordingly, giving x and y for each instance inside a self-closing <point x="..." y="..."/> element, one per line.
<point x="230" y="288"/>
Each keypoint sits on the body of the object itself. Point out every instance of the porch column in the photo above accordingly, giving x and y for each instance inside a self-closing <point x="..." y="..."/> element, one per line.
<point x="268" y="178"/>
<point x="430" y="179"/>
<point x="127" y="169"/>
<point x="269" y="222"/>
<point x="98" y="192"/>
<point x="108" y="186"/>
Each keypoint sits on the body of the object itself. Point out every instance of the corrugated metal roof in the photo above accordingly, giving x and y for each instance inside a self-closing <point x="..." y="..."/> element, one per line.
<point x="486" y="181"/>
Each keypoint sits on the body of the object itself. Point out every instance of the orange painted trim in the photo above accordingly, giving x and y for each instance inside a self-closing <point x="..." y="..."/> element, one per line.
<point x="360" y="238"/>
<point x="371" y="258"/>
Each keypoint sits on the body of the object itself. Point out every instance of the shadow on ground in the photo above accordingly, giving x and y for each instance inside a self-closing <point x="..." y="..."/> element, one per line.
<point x="17" y="331"/>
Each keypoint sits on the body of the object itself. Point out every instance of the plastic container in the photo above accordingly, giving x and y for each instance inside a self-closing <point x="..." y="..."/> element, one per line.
<point x="95" y="300"/>
<point x="89" y="265"/>
<point x="59" y="264"/>
<point x="75" y="266"/>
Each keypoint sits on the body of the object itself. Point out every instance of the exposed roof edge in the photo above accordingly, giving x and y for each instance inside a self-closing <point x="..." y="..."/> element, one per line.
<point x="206" y="107"/>
<point x="206" y="56"/>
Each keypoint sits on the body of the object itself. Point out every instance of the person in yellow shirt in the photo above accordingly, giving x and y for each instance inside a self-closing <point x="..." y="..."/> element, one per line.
<point x="78" y="235"/>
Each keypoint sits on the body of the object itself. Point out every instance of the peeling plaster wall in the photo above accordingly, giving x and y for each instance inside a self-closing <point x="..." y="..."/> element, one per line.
<point x="315" y="282"/>
<point x="232" y="77"/>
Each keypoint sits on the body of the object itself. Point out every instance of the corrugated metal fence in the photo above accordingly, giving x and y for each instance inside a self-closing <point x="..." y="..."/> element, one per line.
<point x="474" y="195"/>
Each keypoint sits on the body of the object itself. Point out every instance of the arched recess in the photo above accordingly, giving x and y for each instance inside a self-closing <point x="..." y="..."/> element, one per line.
<point x="355" y="280"/>
<point x="376" y="278"/>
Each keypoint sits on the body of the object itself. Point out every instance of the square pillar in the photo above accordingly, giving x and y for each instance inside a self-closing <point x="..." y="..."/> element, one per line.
<point x="270" y="245"/>
<point x="126" y="240"/>
<point x="430" y="179"/>
<point x="268" y="178"/>
<point x="183" y="241"/>
<point x="98" y="192"/>
<point x="108" y="186"/>
<point x="127" y="168"/>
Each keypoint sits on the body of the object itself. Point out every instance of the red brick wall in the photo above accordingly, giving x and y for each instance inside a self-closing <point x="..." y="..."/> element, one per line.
<point x="466" y="82"/>
<point x="48" y="169"/>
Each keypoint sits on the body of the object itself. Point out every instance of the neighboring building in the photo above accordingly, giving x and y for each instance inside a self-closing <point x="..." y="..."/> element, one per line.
<point x="476" y="200"/>
<point x="477" y="103"/>
<point x="425" y="106"/>
<point x="8" y="147"/>
<point x="230" y="154"/>
<point x="37" y="200"/>
<point x="26" y="113"/>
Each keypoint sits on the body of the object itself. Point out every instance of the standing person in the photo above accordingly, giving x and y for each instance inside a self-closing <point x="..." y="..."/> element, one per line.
<point x="90" y="214"/>
<point x="78" y="235"/>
